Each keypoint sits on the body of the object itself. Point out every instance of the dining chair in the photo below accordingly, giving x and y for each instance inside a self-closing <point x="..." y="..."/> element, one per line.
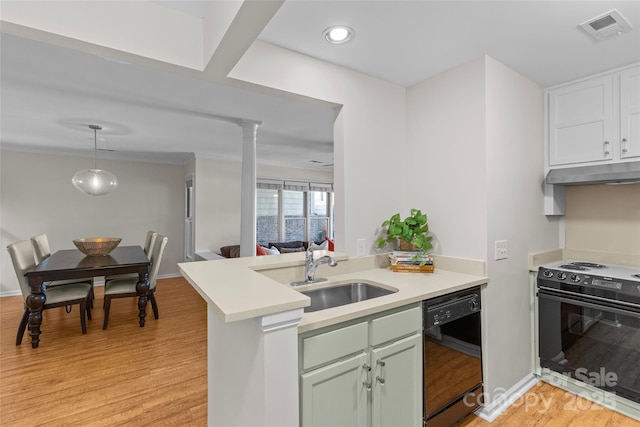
<point x="41" y="247"/>
<point x="148" y="244"/>
<point x="126" y="287"/>
<point x="149" y="241"/>
<point x="60" y="296"/>
<point x="42" y="251"/>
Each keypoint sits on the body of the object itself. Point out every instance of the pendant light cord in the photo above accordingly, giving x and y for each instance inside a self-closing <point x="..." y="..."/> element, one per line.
<point x="95" y="144"/>
<point x="95" y="148"/>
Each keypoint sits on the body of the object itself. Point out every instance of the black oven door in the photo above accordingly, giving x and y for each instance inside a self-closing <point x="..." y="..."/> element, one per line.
<point x="591" y="339"/>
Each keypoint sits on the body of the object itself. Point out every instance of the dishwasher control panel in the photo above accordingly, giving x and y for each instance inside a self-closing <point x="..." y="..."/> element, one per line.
<point x="441" y="311"/>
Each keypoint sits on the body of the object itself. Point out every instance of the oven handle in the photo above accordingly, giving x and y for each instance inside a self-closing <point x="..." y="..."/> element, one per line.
<point x="581" y="302"/>
<point x="588" y="298"/>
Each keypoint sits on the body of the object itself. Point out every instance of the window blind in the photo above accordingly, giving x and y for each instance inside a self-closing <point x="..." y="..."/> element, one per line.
<point x="291" y="185"/>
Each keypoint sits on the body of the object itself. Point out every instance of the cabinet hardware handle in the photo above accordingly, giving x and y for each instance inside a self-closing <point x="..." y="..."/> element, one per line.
<point x="606" y="148"/>
<point x="367" y="383"/>
<point x="622" y="144"/>
<point x="380" y="363"/>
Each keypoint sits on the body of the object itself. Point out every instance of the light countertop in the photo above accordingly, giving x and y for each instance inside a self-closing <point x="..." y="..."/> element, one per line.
<point x="237" y="289"/>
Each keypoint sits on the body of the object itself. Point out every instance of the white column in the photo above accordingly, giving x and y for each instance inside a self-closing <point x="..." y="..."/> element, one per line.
<point x="253" y="370"/>
<point x="248" y="194"/>
<point x="280" y="361"/>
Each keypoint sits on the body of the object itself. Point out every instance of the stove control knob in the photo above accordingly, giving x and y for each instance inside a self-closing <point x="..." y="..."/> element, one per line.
<point x="562" y="275"/>
<point x="575" y="278"/>
<point x="548" y="274"/>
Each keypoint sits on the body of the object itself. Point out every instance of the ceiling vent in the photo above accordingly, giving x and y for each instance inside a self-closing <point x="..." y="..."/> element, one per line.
<point x="606" y="26"/>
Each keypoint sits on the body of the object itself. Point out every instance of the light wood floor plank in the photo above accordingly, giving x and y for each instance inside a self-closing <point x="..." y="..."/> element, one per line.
<point x="548" y="406"/>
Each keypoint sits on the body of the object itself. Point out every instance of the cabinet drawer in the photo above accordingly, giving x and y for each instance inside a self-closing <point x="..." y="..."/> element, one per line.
<point x="324" y="348"/>
<point x="396" y="325"/>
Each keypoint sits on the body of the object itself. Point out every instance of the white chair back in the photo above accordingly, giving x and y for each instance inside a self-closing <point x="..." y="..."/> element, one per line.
<point x="41" y="247"/>
<point x="156" y="258"/>
<point x="23" y="260"/>
<point x="149" y="241"/>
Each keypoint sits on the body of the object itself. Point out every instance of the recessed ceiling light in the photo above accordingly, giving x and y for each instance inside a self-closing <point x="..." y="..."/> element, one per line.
<point x="338" y="34"/>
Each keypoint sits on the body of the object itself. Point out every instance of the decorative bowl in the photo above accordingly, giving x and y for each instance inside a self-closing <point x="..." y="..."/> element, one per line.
<point x="97" y="246"/>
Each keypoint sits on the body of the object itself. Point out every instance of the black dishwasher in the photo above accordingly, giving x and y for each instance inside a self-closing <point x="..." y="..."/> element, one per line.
<point x="452" y="357"/>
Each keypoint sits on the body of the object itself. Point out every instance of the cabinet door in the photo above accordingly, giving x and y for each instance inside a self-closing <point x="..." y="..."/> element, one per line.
<point x="630" y="113"/>
<point x="397" y="383"/>
<point x="581" y="122"/>
<point x="335" y="395"/>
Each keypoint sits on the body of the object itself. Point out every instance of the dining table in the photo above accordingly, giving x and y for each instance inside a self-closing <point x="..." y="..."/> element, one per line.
<point x="73" y="264"/>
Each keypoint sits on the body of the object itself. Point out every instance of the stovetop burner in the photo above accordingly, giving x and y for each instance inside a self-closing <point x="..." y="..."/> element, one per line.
<point x="581" y="266"/>
<point x="573" y="266"/>
<point x="588" y="264"/>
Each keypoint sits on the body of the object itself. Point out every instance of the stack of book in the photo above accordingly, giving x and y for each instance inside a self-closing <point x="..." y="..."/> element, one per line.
<point x="412" y="262"/>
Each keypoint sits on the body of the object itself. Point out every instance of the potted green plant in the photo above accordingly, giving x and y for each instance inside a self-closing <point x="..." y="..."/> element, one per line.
<point x="412" y="230"/>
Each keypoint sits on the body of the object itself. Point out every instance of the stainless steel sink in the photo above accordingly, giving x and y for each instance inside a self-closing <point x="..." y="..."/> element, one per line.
<point x="344" y="294"/>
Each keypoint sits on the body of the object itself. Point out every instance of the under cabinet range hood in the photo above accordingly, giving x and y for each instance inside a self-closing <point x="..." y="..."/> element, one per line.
<point x="616" y="173"/>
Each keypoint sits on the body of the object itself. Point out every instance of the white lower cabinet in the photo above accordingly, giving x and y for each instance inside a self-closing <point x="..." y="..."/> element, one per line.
<point x="364" y="373"/>
<point x="335" y="395"/>
<point x="397" y="384"/>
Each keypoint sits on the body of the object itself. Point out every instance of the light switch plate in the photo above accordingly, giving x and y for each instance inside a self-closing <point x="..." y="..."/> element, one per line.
<point x="361" y="249"/>
<point x="501" y="249"/>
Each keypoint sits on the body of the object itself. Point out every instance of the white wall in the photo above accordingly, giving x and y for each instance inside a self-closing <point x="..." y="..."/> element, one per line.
<point x="479" y="131"/>
<point x="446" y="134"/>
<point x="37" y="197"/>
<point x="217" y="216"/>
<point x="514" y="165"/>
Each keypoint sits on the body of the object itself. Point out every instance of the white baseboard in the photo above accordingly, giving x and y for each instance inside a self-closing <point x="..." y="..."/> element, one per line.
<point x="489" y="412"/>
<point x="10" y="293"/>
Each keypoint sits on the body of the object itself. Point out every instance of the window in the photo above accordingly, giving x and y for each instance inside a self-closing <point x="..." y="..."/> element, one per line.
<point x="289" y="211"/>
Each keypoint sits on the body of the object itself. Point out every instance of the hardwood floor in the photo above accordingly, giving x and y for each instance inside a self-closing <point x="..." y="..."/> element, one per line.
<point x="124" y="375"/>
<point x="157" y="375"/>
<point x="548" y="406"/>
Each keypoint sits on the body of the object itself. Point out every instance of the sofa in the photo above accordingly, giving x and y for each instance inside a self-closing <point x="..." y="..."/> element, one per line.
<point x="233" y="251"/>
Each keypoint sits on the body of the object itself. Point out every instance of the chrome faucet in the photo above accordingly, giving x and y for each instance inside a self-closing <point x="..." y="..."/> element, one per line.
<point x="310" y="267"/>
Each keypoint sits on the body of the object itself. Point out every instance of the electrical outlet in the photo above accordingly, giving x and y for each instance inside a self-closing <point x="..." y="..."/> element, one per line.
<point x="501" y="249"/>
<point x="361" y="247"/>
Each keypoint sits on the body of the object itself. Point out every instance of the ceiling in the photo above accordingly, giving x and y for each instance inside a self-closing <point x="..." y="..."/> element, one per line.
<point x="50" y="94"/>
<point x="405" y="42"/>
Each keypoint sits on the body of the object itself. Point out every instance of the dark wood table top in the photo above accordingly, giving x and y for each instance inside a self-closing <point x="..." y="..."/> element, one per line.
<point x="63" y="262"/>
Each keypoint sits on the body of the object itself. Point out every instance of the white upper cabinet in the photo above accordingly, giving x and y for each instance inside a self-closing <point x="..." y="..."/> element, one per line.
<point x="630" y="113"/>
<point x="581" y="122"/>
<point x="595" y="120"/>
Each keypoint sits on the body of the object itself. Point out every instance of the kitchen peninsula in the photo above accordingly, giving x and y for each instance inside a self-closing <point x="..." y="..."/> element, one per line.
<point x="254" y="318"/>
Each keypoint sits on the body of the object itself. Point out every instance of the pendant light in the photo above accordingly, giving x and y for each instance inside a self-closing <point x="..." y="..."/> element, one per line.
<point x="95" y="182"/>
